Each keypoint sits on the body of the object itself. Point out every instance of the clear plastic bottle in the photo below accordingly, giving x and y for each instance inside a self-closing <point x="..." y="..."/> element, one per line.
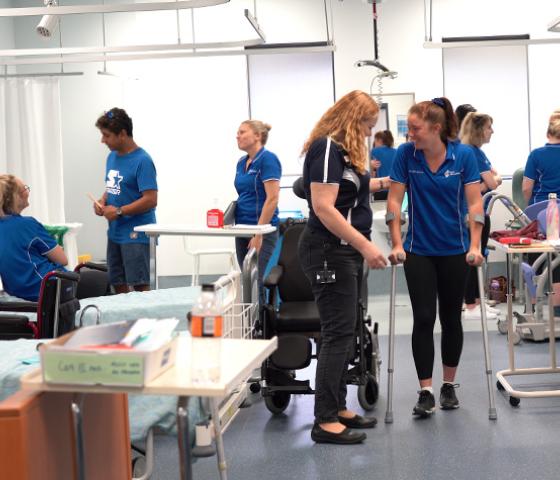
<point x="206" y="332"/>
<point x="552" y="218"/>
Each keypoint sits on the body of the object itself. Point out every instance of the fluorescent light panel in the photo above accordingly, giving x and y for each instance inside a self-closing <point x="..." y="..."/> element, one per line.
<point x="113" y="8"/>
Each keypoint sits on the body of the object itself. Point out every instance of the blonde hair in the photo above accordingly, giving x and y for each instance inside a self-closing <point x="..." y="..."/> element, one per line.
<point x="343" y="122"/>
<point x="554" y="125"/>
<point x="472" y="128"/>
<point x="8" y="194"/>
<point x="260" y="128"/>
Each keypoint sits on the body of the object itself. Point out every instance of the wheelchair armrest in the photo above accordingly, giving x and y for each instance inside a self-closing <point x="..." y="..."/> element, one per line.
<point x="72" y="276"/>
<point x="13" y="320"/>
<point x="18" y="307"/>
<point x="102" y="267"/>
<point x="273" y="278"/>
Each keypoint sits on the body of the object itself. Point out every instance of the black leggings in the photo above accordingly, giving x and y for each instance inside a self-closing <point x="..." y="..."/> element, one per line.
<point x="432" y="279"/>
<point x="471" y="291"/>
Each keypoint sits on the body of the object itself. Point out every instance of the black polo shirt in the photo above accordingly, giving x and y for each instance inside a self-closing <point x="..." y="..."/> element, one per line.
<point x="334" y="167"/>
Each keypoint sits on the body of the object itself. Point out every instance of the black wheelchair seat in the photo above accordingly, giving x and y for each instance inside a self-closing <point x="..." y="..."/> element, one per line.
<point x="297" y="317"/>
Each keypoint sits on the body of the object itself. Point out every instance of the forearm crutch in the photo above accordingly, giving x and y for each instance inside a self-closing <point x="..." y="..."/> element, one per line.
<point x="492" y="415"/>
<point x="391" y="362"/>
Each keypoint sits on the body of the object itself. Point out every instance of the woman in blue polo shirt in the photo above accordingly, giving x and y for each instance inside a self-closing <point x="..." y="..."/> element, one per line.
<point x="257" y="181"/>
<point x="382" y="157"/>
<point x="29" y="252"/>
<point x="542" y="171"/>
<point x="476" y="130"/>
<point x="439" y="176"/>
<point x="332" y="250"/>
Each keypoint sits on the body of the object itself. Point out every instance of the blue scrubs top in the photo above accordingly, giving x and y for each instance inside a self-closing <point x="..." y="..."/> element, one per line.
<point x="483" y="164"/>
<point x="543" y="167"/>
<point x="333" y="166"/>
<point x="386" y="155"/>
<point x="24" y="243"/>
<point x="436" y="224"/>
<point x="249" y="184"/>
<point x="127" y="176"/>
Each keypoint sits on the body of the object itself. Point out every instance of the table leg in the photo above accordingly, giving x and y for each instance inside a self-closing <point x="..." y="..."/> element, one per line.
<point x="509" y="298"/>
<point x="184" y="439"/>
<point x="76" y="409"/>
<point x="222" y="466"/>
<point x="153" y="262"/>
<point x="551" y="321"/>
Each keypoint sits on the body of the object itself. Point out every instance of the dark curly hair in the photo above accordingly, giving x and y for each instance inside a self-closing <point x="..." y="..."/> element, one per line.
<point x="115" y="120"/>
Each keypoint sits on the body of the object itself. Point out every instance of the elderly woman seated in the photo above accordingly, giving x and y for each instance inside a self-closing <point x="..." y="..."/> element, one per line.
<point x="29" y="252"/>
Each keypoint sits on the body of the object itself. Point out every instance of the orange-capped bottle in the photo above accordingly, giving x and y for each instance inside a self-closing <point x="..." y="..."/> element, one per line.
<point x="206" y="330"/>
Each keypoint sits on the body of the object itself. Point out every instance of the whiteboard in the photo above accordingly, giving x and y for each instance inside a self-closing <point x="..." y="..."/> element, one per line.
<point x="494" y="81"/>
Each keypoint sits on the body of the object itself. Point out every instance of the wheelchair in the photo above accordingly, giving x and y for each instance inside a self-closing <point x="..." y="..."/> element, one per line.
<point x="291" y="314"/>
<point x="56" y="309"/>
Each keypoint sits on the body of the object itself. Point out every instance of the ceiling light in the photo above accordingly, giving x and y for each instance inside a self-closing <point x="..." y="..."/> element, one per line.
<point x="47" y="25"/>
<point x="554" y="26"/>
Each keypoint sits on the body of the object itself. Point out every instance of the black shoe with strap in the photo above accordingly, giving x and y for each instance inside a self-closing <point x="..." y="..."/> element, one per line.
<point x="426" y="404"/>
<point x="447" y="398"/>
<point x="357" y="421"/>
<point x="346" y="437"/>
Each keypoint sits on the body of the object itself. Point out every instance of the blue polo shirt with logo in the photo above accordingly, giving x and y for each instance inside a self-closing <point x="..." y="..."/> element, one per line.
<point x="543" y="167"/>
<point x="249" y="183"/>
<point x="127" y="176"/>
<point x="436" y="200"/>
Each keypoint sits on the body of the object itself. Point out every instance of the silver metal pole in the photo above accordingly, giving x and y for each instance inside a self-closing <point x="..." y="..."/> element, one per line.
<point x="222" y="465"/>
<point x="492" y="415"/>
<point x="390" y="367"/>
<point x="509" y="297"/>
<point x="551" y="324"/>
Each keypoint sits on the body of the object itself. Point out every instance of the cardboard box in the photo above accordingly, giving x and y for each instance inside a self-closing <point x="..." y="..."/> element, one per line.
<point x="63" y="364"/>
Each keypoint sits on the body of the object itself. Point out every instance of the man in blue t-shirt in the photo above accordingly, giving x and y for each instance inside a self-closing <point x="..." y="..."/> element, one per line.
<point x="129" y="200"/>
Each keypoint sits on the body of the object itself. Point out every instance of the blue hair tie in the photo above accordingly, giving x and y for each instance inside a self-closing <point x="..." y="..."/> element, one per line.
<point x="109" y="115"/>
<point x="439" y="102"/>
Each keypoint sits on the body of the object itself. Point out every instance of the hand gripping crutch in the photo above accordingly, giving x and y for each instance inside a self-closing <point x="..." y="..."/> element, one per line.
<point x="390" y="367"/>
<point x="492" y="415"/>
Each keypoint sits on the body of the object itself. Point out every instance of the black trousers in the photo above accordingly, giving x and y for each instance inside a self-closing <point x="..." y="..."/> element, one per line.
<point x="471" y="291"/>
<point x="434" y="280"/>
<point x="338" y="306"/>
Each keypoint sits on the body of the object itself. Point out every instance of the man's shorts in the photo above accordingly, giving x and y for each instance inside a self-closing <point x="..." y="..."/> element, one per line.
<point x="128" y="263"/>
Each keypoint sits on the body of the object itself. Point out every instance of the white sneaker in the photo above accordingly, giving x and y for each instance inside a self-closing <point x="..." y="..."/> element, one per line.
<point x="474" y="314"/>
<point x="493" y="310"/>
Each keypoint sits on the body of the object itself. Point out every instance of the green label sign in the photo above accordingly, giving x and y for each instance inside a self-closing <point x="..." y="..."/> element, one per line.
<point x="93" y="369"/>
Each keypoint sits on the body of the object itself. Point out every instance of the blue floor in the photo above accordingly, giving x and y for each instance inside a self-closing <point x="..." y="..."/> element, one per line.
<point x="524" y="443"/>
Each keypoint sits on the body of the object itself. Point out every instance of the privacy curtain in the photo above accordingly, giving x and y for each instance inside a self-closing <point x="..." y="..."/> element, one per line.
<point x="31" y="142"/>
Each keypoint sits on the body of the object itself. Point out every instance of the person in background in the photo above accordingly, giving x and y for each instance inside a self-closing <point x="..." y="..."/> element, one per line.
<point x="476" y="130"/>
<point x="440" y="175"/>
<point x="461" y="112"/>
<point x="382" y="156"/>
<point x="129" y="200"/>
<point x="257" y="181"/>
<point x="29" y="252"/>
<point x="332" y="250"/>
<point x="541" y="177"/>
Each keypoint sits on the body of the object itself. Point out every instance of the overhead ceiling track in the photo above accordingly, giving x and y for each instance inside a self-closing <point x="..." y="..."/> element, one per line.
<point x="131" y="56"/>
<point x="108" y="8"/>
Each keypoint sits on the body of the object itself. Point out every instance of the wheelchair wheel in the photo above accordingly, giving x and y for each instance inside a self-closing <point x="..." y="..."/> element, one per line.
<point x="368" y="393"/>
<point x="277" y="402"/>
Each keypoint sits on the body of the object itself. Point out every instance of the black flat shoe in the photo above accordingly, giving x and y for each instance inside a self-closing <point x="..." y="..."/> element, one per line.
<point x="358" y="421"/>
<point x="346" y="437"/>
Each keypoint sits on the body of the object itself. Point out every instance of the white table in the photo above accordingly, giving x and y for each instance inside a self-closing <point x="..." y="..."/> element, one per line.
<point x="543" y="247"/>
<point x="240" y="358"/>
<point x="154" y="230"/>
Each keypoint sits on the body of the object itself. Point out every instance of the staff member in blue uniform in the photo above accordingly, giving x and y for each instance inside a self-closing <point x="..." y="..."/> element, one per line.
<point x="439" y="175"/>
<point x="129" y="200"/>
<point x="257" y="181"/>
<point x="476" y="130"/>
<point x="29" y="252"/>
<point x="542" y="171"/>
<point x="332" y="250"/>
<point x="541" y="177"/>
<point x="382" y="157"/>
